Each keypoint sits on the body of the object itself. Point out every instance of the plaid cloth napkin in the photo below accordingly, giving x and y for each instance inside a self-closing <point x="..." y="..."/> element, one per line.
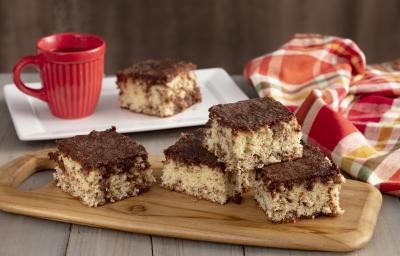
<point x="348" y="109"/>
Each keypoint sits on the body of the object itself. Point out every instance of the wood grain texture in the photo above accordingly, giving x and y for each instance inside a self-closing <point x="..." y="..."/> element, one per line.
<point x="211" y="33"/>
<point x="103" y="242"/>
<point x="385" y="235"/>
<point x="36" y="233"/>
<point x="166" y="213"/>
<point x="180" y="247"/>
<point x="21" y="235"/>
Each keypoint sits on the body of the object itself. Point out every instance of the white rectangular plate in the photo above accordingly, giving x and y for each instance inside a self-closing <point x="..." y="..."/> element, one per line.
<point x="33" y="121"/>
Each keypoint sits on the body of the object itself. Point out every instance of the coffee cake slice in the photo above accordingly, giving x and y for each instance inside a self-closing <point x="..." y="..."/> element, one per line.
<point x="101" y="167"/>
<point x="303" y="188"/>
<point x="252" y="133"/>
<point x="158" y="87"/>
<point x="191" y="169"/>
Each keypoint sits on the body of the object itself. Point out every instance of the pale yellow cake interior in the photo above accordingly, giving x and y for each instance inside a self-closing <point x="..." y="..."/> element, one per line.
<point x="200" y="181"/>
<point x="288" y="205"/>
<point x="159" y="100"/>
<point x="89" y="189"/>
<point x="247" y="150"/>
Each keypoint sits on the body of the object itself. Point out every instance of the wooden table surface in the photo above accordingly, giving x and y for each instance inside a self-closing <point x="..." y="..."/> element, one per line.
<point x="20" y="235"/>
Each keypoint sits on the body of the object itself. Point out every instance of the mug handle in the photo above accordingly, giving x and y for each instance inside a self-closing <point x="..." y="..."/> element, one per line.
<point x="36" y="60"/>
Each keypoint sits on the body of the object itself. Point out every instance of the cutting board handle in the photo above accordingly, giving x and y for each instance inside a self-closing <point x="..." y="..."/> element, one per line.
<point x="14" y="173"/>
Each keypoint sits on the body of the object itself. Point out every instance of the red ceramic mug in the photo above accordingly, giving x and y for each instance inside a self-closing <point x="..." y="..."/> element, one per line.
<point x="71" y="69"/>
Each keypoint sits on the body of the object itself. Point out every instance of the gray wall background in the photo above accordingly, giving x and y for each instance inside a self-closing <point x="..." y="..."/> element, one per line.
<point x="209" y="32"/>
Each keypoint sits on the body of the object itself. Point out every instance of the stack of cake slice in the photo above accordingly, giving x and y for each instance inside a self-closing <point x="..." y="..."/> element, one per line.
<point x="239" y="137"/>
<point x="255" y="144"/>
<point x="250" y="134"/>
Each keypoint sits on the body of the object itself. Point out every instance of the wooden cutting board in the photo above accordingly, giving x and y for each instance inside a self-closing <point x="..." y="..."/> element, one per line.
<point x="165" y="213"/>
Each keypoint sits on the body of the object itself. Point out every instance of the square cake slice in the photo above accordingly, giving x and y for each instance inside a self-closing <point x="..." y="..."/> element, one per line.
<point x="191" y="169"/>
<point x="252" y="133"/>
<point x="303" y="188"/>
<point x="158" y="87"/>
<point x="101" y="167"/>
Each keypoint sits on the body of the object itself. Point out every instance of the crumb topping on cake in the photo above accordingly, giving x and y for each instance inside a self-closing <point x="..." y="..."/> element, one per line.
<point x="103" y="150"/>
<point x="250" y="115"/>
<point x="189" y="149"/>
<point x="313" y="167"/>
<point x="155" y="71"/>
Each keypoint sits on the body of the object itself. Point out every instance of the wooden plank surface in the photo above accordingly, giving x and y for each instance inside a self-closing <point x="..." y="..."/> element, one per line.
<point x="385" y="240"/>
<point x="34" y="232"/>
<point x="180" y="247"/>
<point x="104" y="242"/>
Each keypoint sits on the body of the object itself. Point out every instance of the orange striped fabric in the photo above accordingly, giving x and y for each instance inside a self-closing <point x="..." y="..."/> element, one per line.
<point x="348" y="109"/>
